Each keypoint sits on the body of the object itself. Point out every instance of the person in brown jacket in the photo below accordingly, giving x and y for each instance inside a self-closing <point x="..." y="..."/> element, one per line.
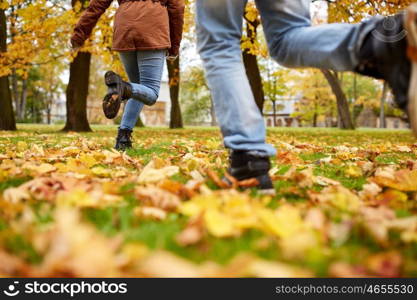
<point x="145" y="32"/>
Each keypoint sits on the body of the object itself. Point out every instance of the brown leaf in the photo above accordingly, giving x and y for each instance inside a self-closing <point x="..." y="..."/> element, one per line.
<point x="233" y="180"/>
<point x="376" y="221"/>
<point x="345" y="270"/>
<point x="156" y="197"/>
<point x="393" y="198"/>
<point x="148" y="212"/>
<point x="74" y="248"/>
<point x="163" y="264"/>
<point x="403" y="180"/>
<point x="220" y="183"/>
<point x="173" y="187"/>
<point x="192" y="187"/>
<point x="387" y="264"/>
<point x="193" y="232"/>
<point x="289" y="158"/>
<point x="12" y="266"/>
<point x="253" y="182"/>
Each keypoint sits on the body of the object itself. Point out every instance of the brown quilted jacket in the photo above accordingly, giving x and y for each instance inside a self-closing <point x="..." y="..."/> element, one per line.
<point x="139" y="25"/>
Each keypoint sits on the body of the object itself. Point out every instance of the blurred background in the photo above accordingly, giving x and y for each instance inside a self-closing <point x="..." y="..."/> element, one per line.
<point x="41" y="81"/>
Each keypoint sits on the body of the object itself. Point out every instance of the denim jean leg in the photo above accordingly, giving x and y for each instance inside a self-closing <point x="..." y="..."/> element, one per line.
<point x="151" y="64"/>
<point x="133" y="107"/>
<point x="144" y="69"/>
<point x="219" y="31"/>
<point x="293" y="42"/>
<point x="131" y="114"/>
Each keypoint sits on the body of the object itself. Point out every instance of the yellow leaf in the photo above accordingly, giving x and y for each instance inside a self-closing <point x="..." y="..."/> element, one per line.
<point x="42" y="169"/>
<point x="219" y="225"/>
<point x="101" y="172"/>
<point x="353" y="171"/>
<point x="21" y="146"/>
<point x="284" y="222"/>
<point x="403" y="180"/>
<point x="88" y="160"/>
<point x="151" y="174"/>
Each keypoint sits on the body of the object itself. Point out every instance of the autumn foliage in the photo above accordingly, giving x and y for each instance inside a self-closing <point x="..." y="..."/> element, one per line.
<point x="71" y="206"/>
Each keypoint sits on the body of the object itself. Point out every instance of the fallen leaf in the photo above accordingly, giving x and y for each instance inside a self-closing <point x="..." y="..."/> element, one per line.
<point x="402" y="180"/>
<point x="156" y="197"/>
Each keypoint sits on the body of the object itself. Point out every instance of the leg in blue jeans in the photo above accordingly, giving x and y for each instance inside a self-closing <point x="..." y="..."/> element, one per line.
<point x="292" y="42"/>
<point x="144" y="69"/>
<point x="219" y="31"/>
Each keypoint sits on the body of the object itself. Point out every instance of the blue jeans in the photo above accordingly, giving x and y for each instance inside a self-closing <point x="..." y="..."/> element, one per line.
<point x="144" y="69"/>
<point x="292" y="42"/>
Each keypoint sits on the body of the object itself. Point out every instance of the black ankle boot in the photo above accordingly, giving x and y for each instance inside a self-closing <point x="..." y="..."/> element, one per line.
<point x="383" y="55"/>
<point x="245" y="166"/>
<point x="118" y="91"/>
<point x="123" y="140"/>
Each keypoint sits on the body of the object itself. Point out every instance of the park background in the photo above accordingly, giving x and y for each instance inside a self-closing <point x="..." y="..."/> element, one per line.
<point x="42" y="81"/>
<point x="72" y="206"/>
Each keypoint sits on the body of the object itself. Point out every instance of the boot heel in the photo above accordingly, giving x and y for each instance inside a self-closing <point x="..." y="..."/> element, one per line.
<point x="111" y="78"/>
<point x="266" y="186"/>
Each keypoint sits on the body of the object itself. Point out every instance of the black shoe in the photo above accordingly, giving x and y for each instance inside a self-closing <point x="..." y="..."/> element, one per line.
<point x="383" y="55"/>
<point x="244" y="166"/>
<point x="118" y="91"/>
<point x="123" y="140"/>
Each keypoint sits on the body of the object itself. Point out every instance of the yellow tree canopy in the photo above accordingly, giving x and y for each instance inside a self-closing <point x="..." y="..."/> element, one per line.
<point x="356" y="11"/>
<point x="40" y="32"/>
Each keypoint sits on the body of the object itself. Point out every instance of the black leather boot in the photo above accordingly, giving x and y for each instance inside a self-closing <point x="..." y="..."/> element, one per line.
<point x="383" y="55"/>
<point x="118" y="91"/>
<point x="244" y="165"/>
<point x="389" y="52"/>
<point x="123" y="140"/>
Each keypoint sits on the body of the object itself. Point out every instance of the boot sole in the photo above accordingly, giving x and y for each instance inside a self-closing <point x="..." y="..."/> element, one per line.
<point x="410" y="25"/>
<point x="270" y="192"/>
<point x="112" y="101"/>
<point x="111" y="105"/>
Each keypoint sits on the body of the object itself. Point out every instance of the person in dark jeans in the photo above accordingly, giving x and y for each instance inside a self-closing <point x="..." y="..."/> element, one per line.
<point x="146" y="31"/>
<point x="377" y="47"/>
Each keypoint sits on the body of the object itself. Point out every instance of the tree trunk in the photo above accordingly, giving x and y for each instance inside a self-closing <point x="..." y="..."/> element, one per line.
<point x="48" y="116"/>
<point x="23" y="98"/>
<point x="274" y="111"/>
<point x="77" y="89"/>
<point x="15" y="92"/>
<point x="213" y="114"/>
<point x="251" y="66"/>
<point x="342" y="103"/>
<point x="48" y="107"/>
<point x="7" y="119"/>
<point x="174" y="89"/>
<point x="13" y="76"/>
<point x="382" y="120"/>
<point x="254" y="76"/>
<point x="77" y="92"/>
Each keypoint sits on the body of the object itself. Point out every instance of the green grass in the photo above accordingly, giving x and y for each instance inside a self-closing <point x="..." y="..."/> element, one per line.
<point x="18" y="244"/>
<point x="337" y="173"/>
<point x="165" y="144"/>
<point x="13" y="182"/>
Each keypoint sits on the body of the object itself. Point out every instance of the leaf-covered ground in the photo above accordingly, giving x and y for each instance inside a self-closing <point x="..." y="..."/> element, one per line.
<point x="346" y="205"/>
